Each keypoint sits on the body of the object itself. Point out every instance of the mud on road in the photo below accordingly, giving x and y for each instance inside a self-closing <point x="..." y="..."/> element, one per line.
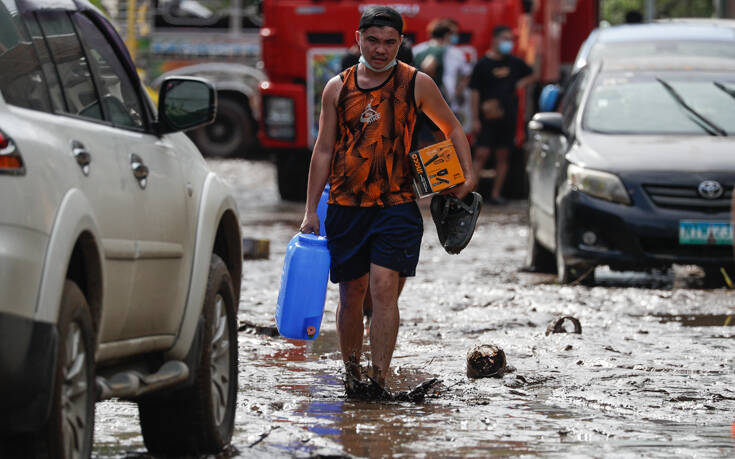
<point x="652" y="374"/>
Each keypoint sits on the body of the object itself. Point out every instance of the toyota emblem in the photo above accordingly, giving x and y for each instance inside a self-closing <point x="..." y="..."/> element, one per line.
<point x="710" y="189"/>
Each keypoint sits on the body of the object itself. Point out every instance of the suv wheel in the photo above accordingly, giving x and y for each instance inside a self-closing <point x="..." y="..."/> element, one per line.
<point x="70" y="427"/>
<point x="200" y="418"/>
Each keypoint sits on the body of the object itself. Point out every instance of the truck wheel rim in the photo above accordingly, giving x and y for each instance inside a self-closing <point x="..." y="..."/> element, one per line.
<point x="220" y="360"/>
<point x="74" y="394"/>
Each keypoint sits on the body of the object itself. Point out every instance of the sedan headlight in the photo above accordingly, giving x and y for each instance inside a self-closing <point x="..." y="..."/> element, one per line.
<point x="598" y="184"/>
<point x="280" y="118"/>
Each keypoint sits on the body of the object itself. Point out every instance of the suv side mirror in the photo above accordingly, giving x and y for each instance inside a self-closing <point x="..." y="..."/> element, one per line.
<point x="546" y="122"/>
<point x="185" y="103"/>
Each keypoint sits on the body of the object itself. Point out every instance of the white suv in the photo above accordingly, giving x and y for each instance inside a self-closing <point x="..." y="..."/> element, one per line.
<point x="120" y="252"/>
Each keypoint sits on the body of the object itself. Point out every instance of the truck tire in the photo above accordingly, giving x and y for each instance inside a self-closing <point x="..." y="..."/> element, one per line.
<point x="199" y="419"/>
<point x="292" y="167"/>
<point x="231" y="135"/>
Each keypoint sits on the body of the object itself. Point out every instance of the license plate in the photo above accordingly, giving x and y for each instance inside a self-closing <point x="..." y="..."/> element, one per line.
<point x="705" y="233"/>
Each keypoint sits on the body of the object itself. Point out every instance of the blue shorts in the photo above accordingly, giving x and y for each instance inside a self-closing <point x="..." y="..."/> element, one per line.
<point x="386" y="236"/>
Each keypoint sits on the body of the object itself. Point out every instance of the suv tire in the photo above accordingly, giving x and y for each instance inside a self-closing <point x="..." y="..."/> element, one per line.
<point x="200" y="418"/>
<point x="69" y="429"/>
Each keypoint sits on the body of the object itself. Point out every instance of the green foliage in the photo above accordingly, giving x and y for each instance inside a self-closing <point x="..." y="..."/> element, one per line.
<point x="614" y="11"/>
<point x="101" y="7"/>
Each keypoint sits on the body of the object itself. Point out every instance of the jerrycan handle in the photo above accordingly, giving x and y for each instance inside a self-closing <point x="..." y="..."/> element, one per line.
<point x="312" y="239"/>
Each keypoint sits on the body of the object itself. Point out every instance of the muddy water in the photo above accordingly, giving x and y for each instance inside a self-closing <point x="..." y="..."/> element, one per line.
<point x="652" y="374"/>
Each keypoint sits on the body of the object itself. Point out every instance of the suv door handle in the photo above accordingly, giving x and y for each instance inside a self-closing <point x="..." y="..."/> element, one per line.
<point x="81" y="155"/>
<point x="140" y="170"/>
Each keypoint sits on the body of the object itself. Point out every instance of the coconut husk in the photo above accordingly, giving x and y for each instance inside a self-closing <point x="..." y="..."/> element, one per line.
<point x="485" y="361"/>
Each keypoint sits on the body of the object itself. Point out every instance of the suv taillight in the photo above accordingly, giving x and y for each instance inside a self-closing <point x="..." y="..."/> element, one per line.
<point x="10" y="160"/>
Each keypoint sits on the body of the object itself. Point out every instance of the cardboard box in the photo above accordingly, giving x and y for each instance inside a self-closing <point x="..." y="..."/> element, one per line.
<point x="436" y="168"/>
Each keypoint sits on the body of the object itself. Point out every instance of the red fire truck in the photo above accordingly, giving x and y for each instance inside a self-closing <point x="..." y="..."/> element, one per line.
<point x="303" y="42"/>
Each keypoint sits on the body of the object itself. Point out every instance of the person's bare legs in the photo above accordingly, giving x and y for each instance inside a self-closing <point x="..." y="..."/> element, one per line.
<point x="384" y="325"/>
<point x="367" y="306"/>
<point x="501" y="171"/>
<point x="479" y="158"/>
<point x="349" y="323"/>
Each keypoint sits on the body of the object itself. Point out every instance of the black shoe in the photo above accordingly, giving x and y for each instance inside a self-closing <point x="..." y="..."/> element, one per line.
<point x="455" y="219"/>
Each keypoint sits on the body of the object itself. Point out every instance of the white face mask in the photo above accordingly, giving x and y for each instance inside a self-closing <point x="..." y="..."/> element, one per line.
<point x="364" y="61"/>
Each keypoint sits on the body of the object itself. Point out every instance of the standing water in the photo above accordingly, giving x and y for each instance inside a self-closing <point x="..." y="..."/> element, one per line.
<point x="652" y="374"/>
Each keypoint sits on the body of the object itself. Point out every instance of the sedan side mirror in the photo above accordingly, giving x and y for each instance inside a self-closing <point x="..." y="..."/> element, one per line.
<point x="185" y="103"/>
<point x="546" y="122"/>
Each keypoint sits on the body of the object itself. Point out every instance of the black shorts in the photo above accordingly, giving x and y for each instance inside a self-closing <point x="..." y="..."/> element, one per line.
<point x="498" y="134"/>
<point x="386" y="236"/>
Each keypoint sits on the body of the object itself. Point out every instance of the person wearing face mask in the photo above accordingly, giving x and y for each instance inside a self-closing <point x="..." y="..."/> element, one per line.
<point x="495" y="79"/>
<point x="373" y="225"/>
<point x="442" y="60"/>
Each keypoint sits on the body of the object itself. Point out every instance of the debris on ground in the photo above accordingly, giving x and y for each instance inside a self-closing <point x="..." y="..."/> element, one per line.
<point x="255" y="249"/>
<point x="256" y="329"/>
<point x="485" y="361"/>
<point x="559" y="325"/>
<point x="262" y="436"/>
<point x="523" y="381"/>
<point x="418" y="393"/>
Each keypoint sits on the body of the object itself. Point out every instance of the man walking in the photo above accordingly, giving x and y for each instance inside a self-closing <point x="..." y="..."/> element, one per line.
<point x="373" y="225"/>
<point x="494" y="81"/>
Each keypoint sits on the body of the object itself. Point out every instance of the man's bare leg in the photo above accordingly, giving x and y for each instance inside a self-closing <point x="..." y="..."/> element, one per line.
<point x="384" y="325"/>
<point x="501" y="171"/>
<point x="349" y="323"/>
<point x="367" y="307"/>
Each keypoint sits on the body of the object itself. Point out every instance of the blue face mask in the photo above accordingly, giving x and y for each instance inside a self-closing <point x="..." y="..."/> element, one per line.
<point x="505" y="47"/>
<point x="454" y="39"/>
<point x="364" y="62"/>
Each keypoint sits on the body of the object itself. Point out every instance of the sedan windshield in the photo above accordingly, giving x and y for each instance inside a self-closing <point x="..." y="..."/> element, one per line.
<point x="628" y="49"/>
<point x="686" y="103"/>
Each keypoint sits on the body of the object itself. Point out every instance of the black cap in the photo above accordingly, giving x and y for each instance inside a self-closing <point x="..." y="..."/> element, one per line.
<point x="381" y="16"/>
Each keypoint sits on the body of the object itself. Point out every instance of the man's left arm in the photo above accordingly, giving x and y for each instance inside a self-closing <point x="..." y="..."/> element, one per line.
<point x="431" y="102"/>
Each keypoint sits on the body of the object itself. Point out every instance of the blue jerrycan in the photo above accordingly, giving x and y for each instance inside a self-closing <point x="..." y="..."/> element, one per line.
<point x="321" y="210"/>
<point x="303" y="287"/>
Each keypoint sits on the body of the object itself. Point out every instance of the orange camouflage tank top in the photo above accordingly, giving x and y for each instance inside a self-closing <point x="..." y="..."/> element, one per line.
<point x="370" y="166"/>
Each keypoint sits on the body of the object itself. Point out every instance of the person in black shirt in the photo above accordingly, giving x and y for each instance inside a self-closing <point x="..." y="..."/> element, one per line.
<point x="494" y="81"/>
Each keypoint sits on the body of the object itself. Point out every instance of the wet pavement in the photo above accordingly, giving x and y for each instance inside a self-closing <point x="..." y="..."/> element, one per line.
<point x="652" y="374"/>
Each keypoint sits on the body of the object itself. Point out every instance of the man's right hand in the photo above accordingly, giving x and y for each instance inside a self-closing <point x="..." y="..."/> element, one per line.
<point x="310" y="224"/>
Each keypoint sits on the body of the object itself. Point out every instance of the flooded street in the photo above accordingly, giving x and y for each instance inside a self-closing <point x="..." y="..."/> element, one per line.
<point x="652" y="373"/>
